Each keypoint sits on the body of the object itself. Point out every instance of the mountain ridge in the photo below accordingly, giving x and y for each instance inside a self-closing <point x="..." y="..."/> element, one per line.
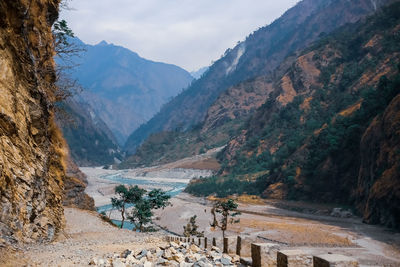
<point x="260" y="53"/>
<point x="124" y="89"/>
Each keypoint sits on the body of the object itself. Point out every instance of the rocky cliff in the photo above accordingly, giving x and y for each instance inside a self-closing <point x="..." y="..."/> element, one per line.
<point x="75" y="183"/>
<point x="31" y="145"/>
<point x="378" y="187"/>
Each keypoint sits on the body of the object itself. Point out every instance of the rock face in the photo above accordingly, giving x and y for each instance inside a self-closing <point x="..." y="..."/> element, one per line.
<point x="31" y="145"/>
<point x="379" y="177"/>
<point x="75" y="183"/>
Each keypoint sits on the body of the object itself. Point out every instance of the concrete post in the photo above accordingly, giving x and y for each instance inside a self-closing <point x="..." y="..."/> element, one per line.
<point x="206" y="244"/>
<point x="264" y="254"/>
<point x="230" y="244"/>
<point x="217" y="242"/>
<point x="294" y="258"/>
<point x="331" y="260"/>
<point x="243" y="246"/>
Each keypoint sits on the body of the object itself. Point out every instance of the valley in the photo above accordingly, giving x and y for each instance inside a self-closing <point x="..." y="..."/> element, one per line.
<point x="287" y="145"/>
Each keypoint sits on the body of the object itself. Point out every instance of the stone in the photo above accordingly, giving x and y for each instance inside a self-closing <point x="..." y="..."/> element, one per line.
<point x="101" y="262"/>
<point x="178" y="257"/>
<point x="126" y="253"/>
<point x="173" y="244"/>
<point x="264" y="254"/>
<point x="194" y="248"/>
<point x="293" y="258"/>
<point x="118" y="263"/>
<point x="147" y="264"/>
<point x="226" y="260"/>
<point x="214" y="248"/>
<point x="230" y="244"/>
<point x="168" y="254"/>
<point x="236" y="258"/>
<point x="334" y="260"/>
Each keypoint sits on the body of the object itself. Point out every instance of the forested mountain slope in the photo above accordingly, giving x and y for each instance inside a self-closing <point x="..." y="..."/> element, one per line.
<point x="90" y="141"/>
<point x="259" y="54"/>
<point x="329" y="130"/>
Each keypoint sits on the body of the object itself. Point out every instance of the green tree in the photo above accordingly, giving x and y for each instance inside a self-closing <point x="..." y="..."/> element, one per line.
<point x="126" y="195"/>
<point x="143" y="210"/>
<point x="141" y="215"/>
<point x="228" y="211"/>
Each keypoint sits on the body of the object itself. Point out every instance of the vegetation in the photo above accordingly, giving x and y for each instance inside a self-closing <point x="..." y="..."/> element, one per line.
<point x="313" y="150"/>
<point x="169" y="146"/>
<point x="126" y="195"/>
<point x="143" y="203"/>
<point x="143" y="210"/>
<point x="228" y="212"/>
<point x="191" y="228"/>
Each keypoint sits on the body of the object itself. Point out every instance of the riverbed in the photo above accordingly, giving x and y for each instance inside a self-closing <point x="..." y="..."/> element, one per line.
<point x="102" y="182"/>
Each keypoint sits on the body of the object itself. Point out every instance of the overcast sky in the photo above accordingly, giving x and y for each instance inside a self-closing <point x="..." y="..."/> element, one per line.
<point x="187" y="33"/>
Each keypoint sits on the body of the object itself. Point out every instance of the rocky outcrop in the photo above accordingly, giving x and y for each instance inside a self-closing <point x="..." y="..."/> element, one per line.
<point x="31" y="145"/>
<point x="379" y="178"/>
<point x="75" y="183"/>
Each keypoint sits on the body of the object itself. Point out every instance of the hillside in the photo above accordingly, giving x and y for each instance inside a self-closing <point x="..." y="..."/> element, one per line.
<point x="90" y="141"/>
<point x="259" y="54"/>
<point x="329" y="129"/>
<point x="124" y="89"/>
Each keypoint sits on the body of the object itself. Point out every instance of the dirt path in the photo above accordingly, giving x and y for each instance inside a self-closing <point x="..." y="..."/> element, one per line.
<point x="85" y="237"/>
<point x="315" y="234"/>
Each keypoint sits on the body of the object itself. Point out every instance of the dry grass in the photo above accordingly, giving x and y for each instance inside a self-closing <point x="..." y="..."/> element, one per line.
<point x="295" y="233"/>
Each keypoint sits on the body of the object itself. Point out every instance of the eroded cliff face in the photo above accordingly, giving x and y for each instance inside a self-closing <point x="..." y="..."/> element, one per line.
<point x="31" y="146"/>
<point x="379" y="178"/>
<point x="75" y="183"/>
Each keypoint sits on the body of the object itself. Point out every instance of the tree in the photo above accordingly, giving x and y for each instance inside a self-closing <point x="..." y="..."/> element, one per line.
<point x="141" y="215"/>
<point x="143" y="210"/>
<point x="131" y="195"/>
<point x="158" y="199"/>
<point x="227" y="209"/>
<point x="191" y="228"/>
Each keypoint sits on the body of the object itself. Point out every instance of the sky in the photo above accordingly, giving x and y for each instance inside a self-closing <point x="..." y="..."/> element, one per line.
<point x="187" y="33"/>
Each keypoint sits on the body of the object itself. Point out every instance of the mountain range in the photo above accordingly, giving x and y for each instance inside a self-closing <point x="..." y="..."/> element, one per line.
<point x="295" y="104"/>
<point x="124" y="89"/>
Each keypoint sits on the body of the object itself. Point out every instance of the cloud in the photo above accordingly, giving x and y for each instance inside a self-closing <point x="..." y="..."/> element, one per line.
<point x="188" y="33"/>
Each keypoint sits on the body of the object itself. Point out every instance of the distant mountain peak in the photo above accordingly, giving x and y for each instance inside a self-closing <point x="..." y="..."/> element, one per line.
<point x="103" y="43"/>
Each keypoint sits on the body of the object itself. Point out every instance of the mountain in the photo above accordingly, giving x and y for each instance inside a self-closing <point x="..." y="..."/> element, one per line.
<point x="124" y="89"/>
<point x="90" y="141"/>
<point x="259" y="54"/>
<point x="198" y="73"/>
<point x="329" y="128"/>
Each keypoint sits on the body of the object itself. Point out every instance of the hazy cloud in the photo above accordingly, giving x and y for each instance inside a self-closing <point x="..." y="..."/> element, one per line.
<point x="188" y="33"/>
